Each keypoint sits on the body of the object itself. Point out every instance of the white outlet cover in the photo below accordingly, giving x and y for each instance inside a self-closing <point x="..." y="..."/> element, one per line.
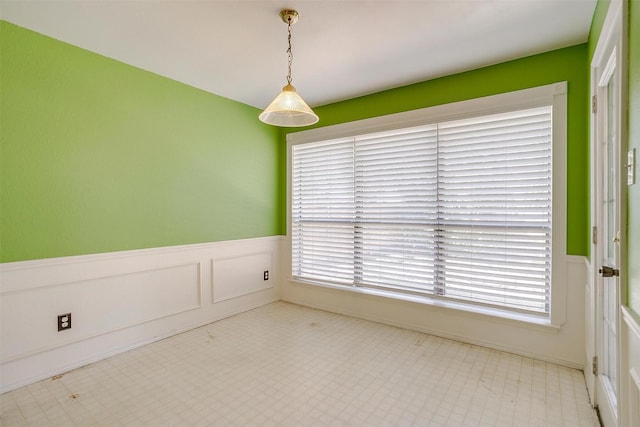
<point x="631" y="167"/>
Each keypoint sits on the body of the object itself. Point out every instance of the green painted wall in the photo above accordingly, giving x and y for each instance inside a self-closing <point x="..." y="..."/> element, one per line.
<point x="633" y="206"/>
<point x="597" y="22"/>
<point x="99" y="156"/>
<point x="568" y="64"/>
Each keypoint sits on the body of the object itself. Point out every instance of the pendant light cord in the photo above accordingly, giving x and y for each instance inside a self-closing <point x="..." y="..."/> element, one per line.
<point x="289" y="52"/>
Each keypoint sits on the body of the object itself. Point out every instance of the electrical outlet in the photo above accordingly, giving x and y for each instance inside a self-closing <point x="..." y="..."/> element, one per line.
<point x="631" y="167"/>
<point x="266" y="275"/>
<point x="64" y="322"/>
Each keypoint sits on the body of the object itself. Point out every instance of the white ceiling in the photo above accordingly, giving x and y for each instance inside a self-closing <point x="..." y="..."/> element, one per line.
<point x="342" y="48"/>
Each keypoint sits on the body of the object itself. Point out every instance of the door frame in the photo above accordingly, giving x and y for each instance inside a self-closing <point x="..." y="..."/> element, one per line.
<point x="613" y="36"/>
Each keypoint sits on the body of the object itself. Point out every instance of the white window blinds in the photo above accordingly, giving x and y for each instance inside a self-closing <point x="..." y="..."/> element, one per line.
<point x="494" y="197"/>
<point x="459" y="209"/>
<point x="323" y="212"/>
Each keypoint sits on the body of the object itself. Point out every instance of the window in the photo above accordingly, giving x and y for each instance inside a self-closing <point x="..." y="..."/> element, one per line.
<point x="453" y="203"/>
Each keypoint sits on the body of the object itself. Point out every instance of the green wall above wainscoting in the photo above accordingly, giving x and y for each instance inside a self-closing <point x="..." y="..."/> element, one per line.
<point x="569" y="64"/>
<point x="100" y="156"/>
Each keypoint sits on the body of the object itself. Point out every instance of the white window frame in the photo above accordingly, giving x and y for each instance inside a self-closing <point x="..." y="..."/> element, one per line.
<point x="553" y="94"/>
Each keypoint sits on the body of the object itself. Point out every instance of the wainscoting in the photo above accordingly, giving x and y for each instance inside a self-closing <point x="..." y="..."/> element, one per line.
<point x="122" y="300"/>
<point x="630" y="368"/>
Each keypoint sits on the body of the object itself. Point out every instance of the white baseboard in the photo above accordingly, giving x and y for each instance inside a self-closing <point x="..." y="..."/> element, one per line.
<point x="123" y="300"/>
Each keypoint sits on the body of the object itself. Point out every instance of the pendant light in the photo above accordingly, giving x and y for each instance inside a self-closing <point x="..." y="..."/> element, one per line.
<point x="288" y="108"/>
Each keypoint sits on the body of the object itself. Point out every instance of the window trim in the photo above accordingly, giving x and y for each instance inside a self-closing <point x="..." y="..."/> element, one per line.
<point x="553" y="94"/>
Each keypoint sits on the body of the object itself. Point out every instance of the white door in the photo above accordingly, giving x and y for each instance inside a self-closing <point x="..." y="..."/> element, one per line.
<point x="606" y="129"/>
<point x="607" y="248"/>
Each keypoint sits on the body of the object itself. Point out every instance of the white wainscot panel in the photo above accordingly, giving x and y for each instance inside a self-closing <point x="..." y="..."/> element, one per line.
<point x="97" y="306"/>
<point x="122" y="300"/>
<point x="630" y="368"/>
<point x="634" y="397"/>
<point x="241" y="275"/>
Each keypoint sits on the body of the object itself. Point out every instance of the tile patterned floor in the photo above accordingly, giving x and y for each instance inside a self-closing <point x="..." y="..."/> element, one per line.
<point x="285" y="365"/>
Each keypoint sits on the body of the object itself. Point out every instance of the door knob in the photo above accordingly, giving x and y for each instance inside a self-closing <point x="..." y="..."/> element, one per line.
<point x="606" y="271"/>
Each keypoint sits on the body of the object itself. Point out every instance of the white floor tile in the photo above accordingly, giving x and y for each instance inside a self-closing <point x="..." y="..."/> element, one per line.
<point x="286" y="365"/>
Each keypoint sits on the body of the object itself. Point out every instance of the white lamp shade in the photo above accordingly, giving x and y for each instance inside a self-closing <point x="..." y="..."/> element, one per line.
<point x="288" y="110"/>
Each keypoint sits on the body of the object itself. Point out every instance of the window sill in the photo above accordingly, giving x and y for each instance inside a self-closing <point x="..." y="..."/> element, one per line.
<point x="494" y="315"/>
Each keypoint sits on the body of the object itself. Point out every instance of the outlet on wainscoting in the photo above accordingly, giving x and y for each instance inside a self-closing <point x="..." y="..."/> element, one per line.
<point x="64" y="322"/>
<point x="266" y="275"/>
